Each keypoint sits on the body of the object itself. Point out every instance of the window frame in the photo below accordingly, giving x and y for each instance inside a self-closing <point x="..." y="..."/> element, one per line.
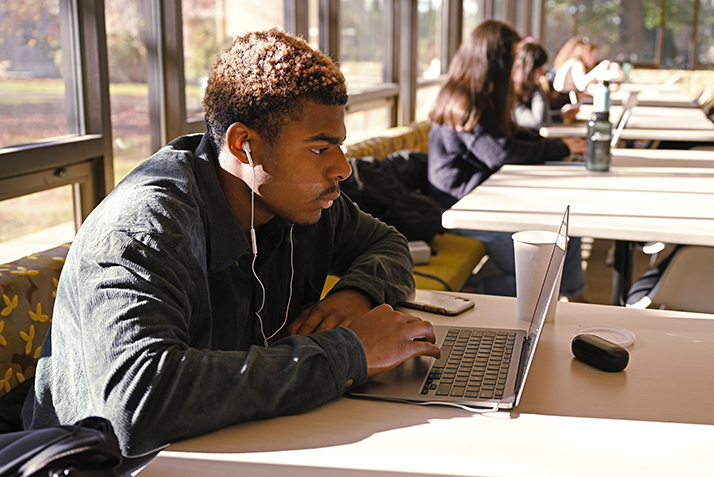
<point x="83" y="158"/>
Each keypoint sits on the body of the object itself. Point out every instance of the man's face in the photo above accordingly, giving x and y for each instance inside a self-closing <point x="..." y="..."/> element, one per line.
<point x="298" y="176"/>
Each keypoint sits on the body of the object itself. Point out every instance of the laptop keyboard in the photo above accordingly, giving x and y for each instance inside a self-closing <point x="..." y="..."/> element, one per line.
<point x="473" y="364"/>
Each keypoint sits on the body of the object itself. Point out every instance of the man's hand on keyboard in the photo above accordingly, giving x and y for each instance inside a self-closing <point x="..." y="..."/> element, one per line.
<point x="390" y="337"/>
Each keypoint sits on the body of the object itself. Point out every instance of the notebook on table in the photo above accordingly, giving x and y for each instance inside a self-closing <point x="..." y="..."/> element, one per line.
<point x="479" y="368"/>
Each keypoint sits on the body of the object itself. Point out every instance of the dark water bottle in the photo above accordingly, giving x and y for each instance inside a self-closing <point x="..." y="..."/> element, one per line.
<point x="597" y="152"/>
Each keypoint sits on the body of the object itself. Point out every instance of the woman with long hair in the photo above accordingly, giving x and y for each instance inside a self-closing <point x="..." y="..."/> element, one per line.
<point x="473" y="134"/>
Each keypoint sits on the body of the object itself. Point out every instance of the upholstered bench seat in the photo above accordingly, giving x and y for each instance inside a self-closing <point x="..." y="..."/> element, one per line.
<point x="454" y="259"/>
<point x="27" y="294"/>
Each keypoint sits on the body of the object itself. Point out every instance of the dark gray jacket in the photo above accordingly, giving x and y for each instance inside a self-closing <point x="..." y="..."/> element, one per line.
<point x="154" y="326"/>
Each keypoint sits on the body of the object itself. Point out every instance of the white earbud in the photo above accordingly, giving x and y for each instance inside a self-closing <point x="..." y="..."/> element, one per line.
<point x="246" y="149"/>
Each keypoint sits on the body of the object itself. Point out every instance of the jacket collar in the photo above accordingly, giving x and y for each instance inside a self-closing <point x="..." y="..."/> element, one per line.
<point x="225" y="240"/>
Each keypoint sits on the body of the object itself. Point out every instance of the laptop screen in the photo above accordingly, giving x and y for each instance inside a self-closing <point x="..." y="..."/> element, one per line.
<point x="545" y="296"/>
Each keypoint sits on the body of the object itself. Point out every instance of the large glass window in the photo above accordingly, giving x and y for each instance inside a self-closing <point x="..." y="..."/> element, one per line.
<point x="128" y="88"/>
<point x="472" y="16"/>
<point x="313" y="14"/>
<point x="640" y="31"/>
<point x="600" y="21"/>
<point x="34" y="106"/>
<point x="425" y="98"/>
<point x="499" y="9"/>
<point x="677" y="40"/>
<point x="558" y="25"/>
<point x="365" y="43"/>
<point x="33" y="103"/>
<point x="29" y="213"/>
<point x="522" y="15"/>
<point x="429" y="41"/>
<point x="705" y="33"/>
<point x="209" y="26"/>
<point x="367" y="123"/>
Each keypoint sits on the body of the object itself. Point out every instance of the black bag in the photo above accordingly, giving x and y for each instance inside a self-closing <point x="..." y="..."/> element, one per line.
<point x="390" y="189"/>
<point x="87" y="449"/>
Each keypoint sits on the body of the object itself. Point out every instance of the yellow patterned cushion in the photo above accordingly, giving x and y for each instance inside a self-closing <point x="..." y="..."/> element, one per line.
<point x="414" y="137"/>
<point x="27" y="295"/>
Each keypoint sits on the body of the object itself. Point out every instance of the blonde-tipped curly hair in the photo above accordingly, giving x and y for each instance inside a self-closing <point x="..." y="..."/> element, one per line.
<point x="263" y="80"/>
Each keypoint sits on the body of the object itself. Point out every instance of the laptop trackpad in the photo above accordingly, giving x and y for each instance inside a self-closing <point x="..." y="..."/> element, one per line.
<point x="405" y="380"/>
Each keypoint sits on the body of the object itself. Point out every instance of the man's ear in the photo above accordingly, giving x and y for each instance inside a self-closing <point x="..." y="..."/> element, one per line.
<point x="236" y="136"/>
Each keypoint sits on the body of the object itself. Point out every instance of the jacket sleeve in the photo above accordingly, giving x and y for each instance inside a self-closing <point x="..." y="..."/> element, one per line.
<point x="370" y="255"/>
<point x="525" y="116"/>
<point x="490" y="144"/>
<point x="535" y="114"/>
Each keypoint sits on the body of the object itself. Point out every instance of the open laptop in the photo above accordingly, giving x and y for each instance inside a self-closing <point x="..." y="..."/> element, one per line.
<point x="426" y="380"/>
<point x="627" y="106"/>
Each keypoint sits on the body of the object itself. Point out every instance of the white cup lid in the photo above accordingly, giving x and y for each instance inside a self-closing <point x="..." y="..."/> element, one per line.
<point x="614" y="334"/>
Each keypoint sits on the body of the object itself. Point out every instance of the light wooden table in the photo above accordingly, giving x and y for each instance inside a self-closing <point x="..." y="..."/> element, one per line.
<point x="703" y="134"/>
<point x="656" y="117"/>
<point x="628" y="157"/>
<point x="626" y="204"/>
<point x="653" y="86"/>
<point x="651" y="96"/>
<point x="655" y="97"/>
<point x="655" y="418"/>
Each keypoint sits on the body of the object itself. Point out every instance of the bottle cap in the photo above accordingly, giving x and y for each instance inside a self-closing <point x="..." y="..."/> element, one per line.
<point x="601" y="98"/>
<point x="601" y="115"/>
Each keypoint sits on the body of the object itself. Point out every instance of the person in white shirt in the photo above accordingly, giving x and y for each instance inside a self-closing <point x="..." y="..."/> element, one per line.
<point x="576" y="66"/>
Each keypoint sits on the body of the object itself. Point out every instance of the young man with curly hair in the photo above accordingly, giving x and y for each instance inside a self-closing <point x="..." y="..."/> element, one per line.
<point x="190" y="299"/>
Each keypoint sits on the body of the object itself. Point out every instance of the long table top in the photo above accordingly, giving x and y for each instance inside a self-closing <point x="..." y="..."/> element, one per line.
<point x="628" y="157"/>
<point x="674" y="205"/>
<point x="654" y="97"/>
<point x="674" y="133"/>
<point x="654" y="418"/>
<point x="653" y="117"/>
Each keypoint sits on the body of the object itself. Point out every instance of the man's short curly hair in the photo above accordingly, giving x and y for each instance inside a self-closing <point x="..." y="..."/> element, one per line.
<point x="262" y="81"/>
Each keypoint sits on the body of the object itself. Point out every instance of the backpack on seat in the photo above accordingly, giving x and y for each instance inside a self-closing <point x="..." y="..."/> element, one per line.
<point x="87" y="449"/>
<point x="392" y="190"/>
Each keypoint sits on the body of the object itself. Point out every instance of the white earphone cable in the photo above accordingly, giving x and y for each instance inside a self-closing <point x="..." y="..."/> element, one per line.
<point x="254" y="241"/>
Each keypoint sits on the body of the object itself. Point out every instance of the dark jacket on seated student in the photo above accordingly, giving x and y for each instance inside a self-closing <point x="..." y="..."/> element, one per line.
<point x="461" y="160"/>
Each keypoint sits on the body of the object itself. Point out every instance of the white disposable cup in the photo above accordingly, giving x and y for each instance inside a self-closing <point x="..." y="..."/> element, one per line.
<point x="532" y="253"/>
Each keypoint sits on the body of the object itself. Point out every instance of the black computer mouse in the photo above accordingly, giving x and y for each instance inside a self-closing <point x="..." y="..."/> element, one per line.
<point x="600" y="353"/>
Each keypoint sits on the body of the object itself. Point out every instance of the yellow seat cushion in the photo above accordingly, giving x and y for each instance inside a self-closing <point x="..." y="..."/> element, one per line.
<point x="453" y="259"/>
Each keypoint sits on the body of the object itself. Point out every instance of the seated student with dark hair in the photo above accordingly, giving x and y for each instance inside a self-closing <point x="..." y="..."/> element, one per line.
<point x="531" y="108"/>
<point x="190" y="299"/>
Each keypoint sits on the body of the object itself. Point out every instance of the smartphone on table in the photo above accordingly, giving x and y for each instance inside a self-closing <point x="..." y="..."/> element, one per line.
<point x="435" y="302"/>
